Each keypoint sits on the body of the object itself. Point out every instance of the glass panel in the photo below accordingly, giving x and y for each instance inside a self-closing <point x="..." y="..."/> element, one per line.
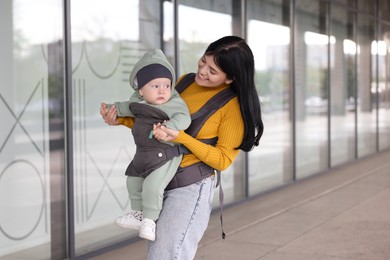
<point x="366" y="84"/>
<point x="367" y="6"/>
<point x="311" y="63"/>
<point x="349" y="3"/>
<point x="26" y="219"/>
<point x="193" y="37"/>
<point x="343" y="53"/>
<point x="107" y="40"/>
<point x="168" y="33"/>
<point x="193" y="41"/>
<point x="270" y="164"/>
<point x="384" y="9"/>
<point x="384" y="87"/>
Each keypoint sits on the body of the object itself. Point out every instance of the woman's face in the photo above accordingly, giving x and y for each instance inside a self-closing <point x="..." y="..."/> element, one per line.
<point x="209" y="74"/>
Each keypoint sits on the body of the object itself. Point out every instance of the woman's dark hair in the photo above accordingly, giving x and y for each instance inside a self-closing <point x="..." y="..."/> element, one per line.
<point x="234" y="57"/>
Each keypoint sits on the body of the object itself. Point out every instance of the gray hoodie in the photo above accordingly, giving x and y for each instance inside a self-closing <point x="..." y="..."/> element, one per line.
<point x="151" y="153"/>
<point x="175" y="108"/>
<point x="155" y="56"/>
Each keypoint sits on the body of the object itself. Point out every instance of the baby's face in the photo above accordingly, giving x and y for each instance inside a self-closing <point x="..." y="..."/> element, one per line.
<point x="157" y="91"/>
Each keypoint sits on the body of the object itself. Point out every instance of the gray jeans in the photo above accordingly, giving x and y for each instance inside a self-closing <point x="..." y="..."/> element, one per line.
<point x="183" y="221"/>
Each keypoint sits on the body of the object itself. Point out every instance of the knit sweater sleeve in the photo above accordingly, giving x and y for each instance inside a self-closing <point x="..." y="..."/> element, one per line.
<point x="227" y="125"/>
<point x="126" y="121"/>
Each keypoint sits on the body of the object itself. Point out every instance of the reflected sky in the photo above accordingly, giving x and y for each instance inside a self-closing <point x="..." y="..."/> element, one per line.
<point x="40" y="21"/>
<point x="207" y="29"/>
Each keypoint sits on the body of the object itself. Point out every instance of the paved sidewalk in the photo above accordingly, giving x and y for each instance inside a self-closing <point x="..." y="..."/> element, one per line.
<point x="340" y="215"/>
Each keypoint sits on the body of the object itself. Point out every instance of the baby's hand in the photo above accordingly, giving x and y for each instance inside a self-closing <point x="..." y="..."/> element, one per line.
<point x="163" y="133"/>
<point x="157" y="132"/>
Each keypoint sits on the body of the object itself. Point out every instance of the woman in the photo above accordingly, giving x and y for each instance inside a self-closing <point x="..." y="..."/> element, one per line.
<point x="226" y="63"/>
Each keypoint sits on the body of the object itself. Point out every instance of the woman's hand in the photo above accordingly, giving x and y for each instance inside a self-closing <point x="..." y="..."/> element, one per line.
<point x="110" y="116"/>
<point x="163" y="133"/>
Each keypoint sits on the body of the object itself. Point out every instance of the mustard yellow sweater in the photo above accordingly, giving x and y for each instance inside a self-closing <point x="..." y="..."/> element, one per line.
<point x="226" y="124"/>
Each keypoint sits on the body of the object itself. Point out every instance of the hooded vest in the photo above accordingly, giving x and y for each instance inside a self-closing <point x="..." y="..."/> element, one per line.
<point x="150" y="153"/>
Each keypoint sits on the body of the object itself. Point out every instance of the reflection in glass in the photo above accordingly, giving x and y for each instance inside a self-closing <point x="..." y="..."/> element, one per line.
<point x="196" y="34"/>
<point x="26" y="155"/>
<point x="108" y="37"/>
<point x="194" y="37"/>
<point x="311" y="89"/>
<point x="384" y="9"/>
<point x="168" y="32"/>
<point x="107" y="40"/>
<point x="366" y="82"/>
<point x="367" y="6"/>
<point x="270" y="164"/>
<point x="342" y="87"/>
<point x="383" y="89"/>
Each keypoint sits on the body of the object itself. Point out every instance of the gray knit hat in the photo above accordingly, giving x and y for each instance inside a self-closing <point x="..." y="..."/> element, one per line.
<point x="152" y="65"/>
<point x="150" y="72"/>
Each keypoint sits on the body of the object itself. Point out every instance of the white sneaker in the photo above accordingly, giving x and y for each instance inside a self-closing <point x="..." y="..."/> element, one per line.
<point x="148" y="229"/>
<point x="130" y="220"/>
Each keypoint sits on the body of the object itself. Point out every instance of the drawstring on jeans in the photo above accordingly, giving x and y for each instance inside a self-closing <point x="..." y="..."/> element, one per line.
<point x="221" y="195"/>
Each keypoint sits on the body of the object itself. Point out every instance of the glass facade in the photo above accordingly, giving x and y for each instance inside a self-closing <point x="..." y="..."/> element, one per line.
<point x="31" y="136"/>
<point x="366" y="85"/>
<point x="107" y="41"/>
<point x="269" y="37"/>
<point x="311" y="87"/>
<point x="382" y="89"/>
<point x="322" y="74"/>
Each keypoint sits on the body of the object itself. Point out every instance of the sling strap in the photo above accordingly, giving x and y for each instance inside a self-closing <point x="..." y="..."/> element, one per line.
<point x="212" y="105"/>
<point x="182" y="178"/>
<point x="177" y="150"/>
<point x="198" y="171"/>
<point x="187" y="80"/>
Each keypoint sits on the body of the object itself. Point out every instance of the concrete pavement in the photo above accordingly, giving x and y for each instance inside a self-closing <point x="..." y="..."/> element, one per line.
<point x="340" y="215"/>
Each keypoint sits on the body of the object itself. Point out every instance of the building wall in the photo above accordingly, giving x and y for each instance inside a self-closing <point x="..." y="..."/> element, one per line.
<point x="322" y="74"/>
